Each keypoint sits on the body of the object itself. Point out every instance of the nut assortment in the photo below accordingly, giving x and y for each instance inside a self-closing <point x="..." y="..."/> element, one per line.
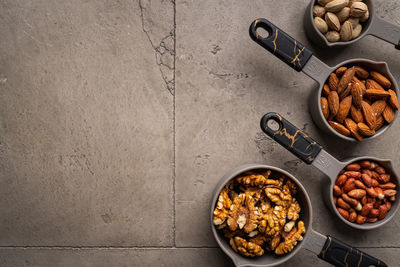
<point x="357" y="102"/>
<point x="340" y="20"/>
<point x="364" y="192"/>
<point x="258" y="212"/>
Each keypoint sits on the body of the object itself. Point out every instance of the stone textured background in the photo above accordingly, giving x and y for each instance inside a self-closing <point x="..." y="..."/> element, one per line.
<point x="118" y="118"/>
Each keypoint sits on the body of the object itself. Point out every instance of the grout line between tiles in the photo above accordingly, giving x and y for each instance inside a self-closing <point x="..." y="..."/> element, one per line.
<point x="136" y="247"/>
<point x="174" y="129"/>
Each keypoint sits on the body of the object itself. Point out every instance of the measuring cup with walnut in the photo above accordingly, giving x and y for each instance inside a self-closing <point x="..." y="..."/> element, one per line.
<point x="326" y="247"/>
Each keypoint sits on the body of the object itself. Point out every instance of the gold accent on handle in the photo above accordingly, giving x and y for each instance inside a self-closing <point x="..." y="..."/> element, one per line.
<point x="323" y="252"/>
<point x="274" y="41"/>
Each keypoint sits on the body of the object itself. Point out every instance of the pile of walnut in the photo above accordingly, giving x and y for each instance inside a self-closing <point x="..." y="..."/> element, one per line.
<point x="358" y="102"/>
<point x="258" y="213"/>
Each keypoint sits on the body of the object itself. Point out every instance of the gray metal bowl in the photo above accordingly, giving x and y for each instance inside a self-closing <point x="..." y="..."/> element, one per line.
<point x="374" y="26"/>
<point x="326" y="247"/>
<point x="320" y="72"/>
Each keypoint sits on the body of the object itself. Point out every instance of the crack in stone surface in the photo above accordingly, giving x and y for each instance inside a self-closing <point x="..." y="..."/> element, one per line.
<point x="164" y="52"/>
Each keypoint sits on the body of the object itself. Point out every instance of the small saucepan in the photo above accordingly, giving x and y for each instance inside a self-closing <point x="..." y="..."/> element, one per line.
<point x="309" y="151"/>
<point x="374" y="26"/>
<point x="326" y="247"/>
<point x="300" y="58"/>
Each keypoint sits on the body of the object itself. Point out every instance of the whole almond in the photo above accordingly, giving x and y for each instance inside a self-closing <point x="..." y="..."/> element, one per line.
<point x="393" y="101"/>
<point x="344" y="108"/>
<point x="356" y="31"/>
<point x="326" y="90"/>
<point x="324" y="107"/>
<point x="382" y="80"/>
<point x="358" y="9"/>
<point x="387" y="186"/>
<point x="378" y="107"/>
<point x="357" y="193"/>
<point x="369" y="116"/>
<point x="380" y="170"/>
<point x="389" y="192"/>
<point x="361" y="73"/>
<point x="376" y="93"/>
<point x="343" y="14"/>
<point x="346" y="31"/>
<point x="357" y="92"/>
<point x="319" y="11"/>
<point x="388" y="114"/>
<point x="365" y="130"/>
<point x="332" y="21"/>
<point x="339" y="128"/>
<point x="375" y="182"/>
<point x="340" y="71"/>
<point x="336" y="5"/>
<point x="360" y="184"/>
<point x="333" y="82"/>
<point x="380" y="121"/>
<point x="346" y="91"/>
<point x="346" y="79"/>
<point x="321" y="25"/>
<point x="356" y="114"/>
<point x="353" y="127"/>
<point x="384" y="178"/>
<point x="333" y="103"/>
<point x="332" y="36"/>
<point x="372" y="84"/>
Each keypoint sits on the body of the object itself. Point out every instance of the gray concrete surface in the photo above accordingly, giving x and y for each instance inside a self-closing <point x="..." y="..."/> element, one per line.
<point x="117" y="119"/>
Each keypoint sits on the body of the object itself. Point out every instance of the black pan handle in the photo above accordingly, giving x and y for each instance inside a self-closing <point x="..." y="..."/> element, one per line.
<point x="280" y="44"/>
<point x="290" y="137"/>
<point x="343" y="255"/>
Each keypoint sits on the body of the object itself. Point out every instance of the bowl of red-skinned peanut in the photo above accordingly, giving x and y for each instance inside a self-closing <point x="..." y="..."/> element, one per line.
<point x="365" y="193"/>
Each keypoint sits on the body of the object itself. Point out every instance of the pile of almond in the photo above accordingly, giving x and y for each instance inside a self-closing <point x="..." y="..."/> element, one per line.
<point x="358" y="102"/>
<point x="339" y="20"/>
<point x="364" y="192"/>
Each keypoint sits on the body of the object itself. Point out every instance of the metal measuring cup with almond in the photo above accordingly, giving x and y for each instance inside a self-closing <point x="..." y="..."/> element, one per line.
<point x="361" y="191"/>
<point x="379" y="77"/>
<point x="333" y="23"/>
<point x="357" y="102"/>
